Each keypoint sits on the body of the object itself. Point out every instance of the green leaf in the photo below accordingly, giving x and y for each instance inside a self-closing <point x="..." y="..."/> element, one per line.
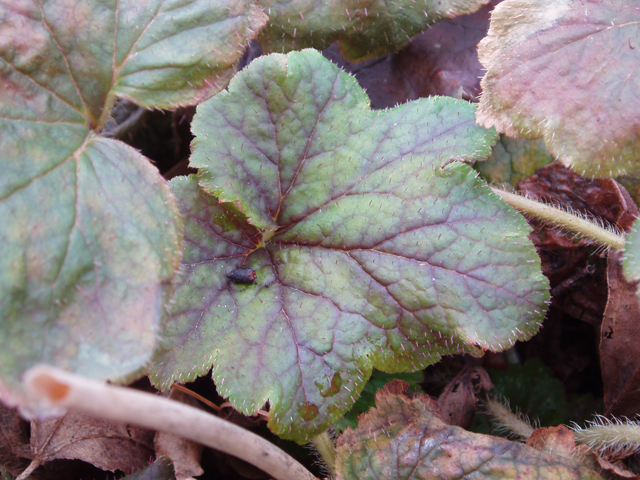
<point x="566" y="71"/>
<point x="404" y="437"/>
<point x="512" y="160"/>
<point x="631" y="262"/>
<point x="631" y="181"/>
<point x="89" y="232"/>
<point x="371" y="249"/>
<point x="367" y="397"/>
<point x="533" y="390"/>
<point x="363" y="29"/>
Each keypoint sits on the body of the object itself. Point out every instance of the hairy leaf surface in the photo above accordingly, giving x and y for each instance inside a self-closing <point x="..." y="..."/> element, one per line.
<point x="405" y="438"/>
<point x="370" y="248"/>
<point x="89" y="232"/>
<point x="566" y="71"/>
<point x="363" y="28"/>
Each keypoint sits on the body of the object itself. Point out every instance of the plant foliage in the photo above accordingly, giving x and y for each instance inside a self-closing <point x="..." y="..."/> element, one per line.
<point x="566" y="71"/>
<point x="89" y="232"/>
<point x="372" y="246"/>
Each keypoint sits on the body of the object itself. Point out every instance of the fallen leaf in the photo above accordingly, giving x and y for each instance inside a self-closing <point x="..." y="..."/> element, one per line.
<point x="559" y="440"/>
<point x="457" y="402"/>
<point x="619" y="345"/>
<point x="604" y="198"/>
<point x="566" y="71"/>
<point x="617" y="468"/>
<point x="577" y="278"/>
<point x="102" y="443"/>
<point x="184" y="454"/>
<point x="14" y="440"/>
<point x="405" y="437"/>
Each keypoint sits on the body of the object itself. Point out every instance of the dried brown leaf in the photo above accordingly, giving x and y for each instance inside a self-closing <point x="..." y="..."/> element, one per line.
<point x="458" y="401"/>
<point x="104" y="444"/>
<point x="14" y="440"/>
<point x="577" y="278"/>
<point x="620" y="343"/>
<point x="185" y="454"/>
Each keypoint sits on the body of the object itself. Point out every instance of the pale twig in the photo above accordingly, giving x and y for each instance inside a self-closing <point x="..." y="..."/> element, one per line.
<point x="57" y="388"/>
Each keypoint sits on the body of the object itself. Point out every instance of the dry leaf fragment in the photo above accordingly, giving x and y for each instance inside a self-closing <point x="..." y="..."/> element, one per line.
<point x="457" y="402"/>
<point x="184" y="453"/>
<point x="106" y="445"/>
<point x="576" y="276"/>
<point x="558" y="439"/>
<point x="404" y="437"/>
<point x="14" y="439"/>
<point x="620" y="343"/>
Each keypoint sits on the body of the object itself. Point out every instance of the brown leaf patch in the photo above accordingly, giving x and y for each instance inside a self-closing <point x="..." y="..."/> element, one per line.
<point x="620" y="343"/>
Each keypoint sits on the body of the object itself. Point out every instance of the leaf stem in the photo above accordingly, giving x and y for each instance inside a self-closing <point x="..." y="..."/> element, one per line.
<point x="614" y="436"/>
<point x="508" y="421"/>
<point x="566" y="220"/>
<point x="56" y="388"/>
<point x="326" y="447"/>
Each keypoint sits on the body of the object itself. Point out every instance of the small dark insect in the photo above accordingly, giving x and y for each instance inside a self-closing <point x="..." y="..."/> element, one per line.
<point x="242" y="275"/>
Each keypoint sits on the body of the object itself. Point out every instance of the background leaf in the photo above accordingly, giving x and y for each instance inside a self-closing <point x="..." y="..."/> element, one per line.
<point x="404" y="437"/>
<point x="631" y="262"/>
<point x="367" y="398"/>
<point x="363" y="29"/>
<point x="89" y="233"/>
<point x="568" y="72"/>
<point x="368" y="251"/>
<point x="512" y="160"/>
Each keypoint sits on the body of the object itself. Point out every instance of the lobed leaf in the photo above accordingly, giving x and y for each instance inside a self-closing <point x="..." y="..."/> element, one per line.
<point x="404" y="437"/>
<point x="364" y="29"/>
<point x="371" y="246"/>
<point x="89" y="232"/>
<point x="567" y="72"/>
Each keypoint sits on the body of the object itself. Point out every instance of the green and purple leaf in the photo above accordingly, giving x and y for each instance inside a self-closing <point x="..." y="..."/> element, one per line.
<point x="363" y="30"/>
<point x="372" y="246"/>
<point x="89" y="232"/>
<point x="405" y="438"/>
<point x="566" y="71"/>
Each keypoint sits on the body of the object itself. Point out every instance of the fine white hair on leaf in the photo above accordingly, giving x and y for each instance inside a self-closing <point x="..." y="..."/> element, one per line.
<point x="617" y="437"/>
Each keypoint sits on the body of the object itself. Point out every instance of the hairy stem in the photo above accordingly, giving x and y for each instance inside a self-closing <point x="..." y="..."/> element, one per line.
<point x="326" y="447"/>
<point x="566" y="220"/>
<point x="609" y="435"/>
<point x="57" y="388"/>
<point x="507" y="420"/>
